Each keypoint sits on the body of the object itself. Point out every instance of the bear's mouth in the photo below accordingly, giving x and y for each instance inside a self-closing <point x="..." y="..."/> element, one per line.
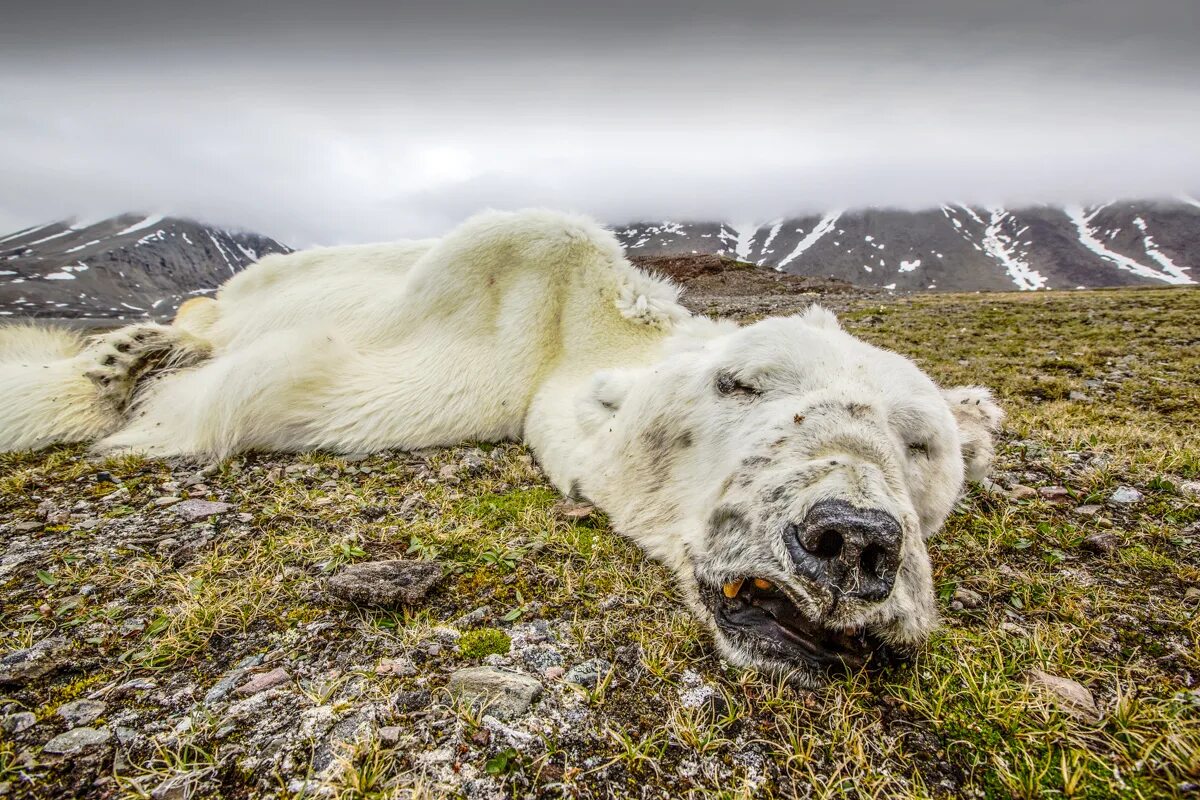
<point x="760" y="618"/>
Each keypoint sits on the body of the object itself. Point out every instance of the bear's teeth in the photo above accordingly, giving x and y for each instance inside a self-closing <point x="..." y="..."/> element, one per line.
<point x="731" y="589"/>
<point x="763" y="584"/>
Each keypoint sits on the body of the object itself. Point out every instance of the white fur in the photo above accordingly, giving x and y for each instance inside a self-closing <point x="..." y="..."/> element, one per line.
<point x="533" y="326"/>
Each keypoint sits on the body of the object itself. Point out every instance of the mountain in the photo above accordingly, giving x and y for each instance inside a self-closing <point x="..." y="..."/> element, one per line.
<point x="956" y="247"/>
<point x="129" y="267"/>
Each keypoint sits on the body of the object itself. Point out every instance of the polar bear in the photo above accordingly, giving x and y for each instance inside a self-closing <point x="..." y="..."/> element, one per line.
<point x="788" y="473"/>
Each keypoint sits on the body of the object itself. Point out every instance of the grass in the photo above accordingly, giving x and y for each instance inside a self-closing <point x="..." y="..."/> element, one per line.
<point x="1102" y="390"/>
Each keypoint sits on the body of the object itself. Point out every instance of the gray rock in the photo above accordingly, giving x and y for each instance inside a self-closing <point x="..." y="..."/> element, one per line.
<point x="1192" y="596"/>
<point x="1057" y="495"/>
<point x="15" y="723"/>
<point x="967" y="597"/>
<point x="1125" y="495"/>
<point x="1089" y="510"/>
<point x="196" y="510"/>
<point x="1067" y="694"/>
<point x="264" y="681"/>
<point x="589" y="673"/>
<point x="1101" y="543"/>
<point x="77" y="740"/>
<point x="396" y="666"/>
<point x="29" y="526"/>
<point x="1190" y="489"/>
<point x="224" y="686"/>
<point x="1022" y="492"/>
<point x="505" y="695"/>
<point x="81" y="712"/>
<point x="540" y="657"/>
<point x="43" y="658"/>
<point x="385" y="583"/>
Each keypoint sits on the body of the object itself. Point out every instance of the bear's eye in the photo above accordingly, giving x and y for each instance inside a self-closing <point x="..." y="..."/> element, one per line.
<point x="729" y="385"/>
<point x="918" y="449"/>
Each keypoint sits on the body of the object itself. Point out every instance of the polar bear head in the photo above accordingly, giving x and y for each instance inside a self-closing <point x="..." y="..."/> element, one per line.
<point x="790" y="474"/>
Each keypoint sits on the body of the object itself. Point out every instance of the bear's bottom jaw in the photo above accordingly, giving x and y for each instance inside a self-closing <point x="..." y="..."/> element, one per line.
<point x="765" y="626"/>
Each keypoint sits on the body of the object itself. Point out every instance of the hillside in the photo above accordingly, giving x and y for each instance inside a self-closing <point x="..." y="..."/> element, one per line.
<point x="129" y="267"/>
<point x="954" y="247"/>
<point x="199" y="649"/>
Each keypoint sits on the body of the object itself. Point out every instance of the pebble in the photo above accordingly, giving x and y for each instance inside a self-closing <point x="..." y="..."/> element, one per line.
<point x="449" y="474"/>
<point x="385" y="583"/>
<point x="77" y="739"/>
<point x="507" y="694"/>
<point x="1089" y="510"/>
<point x="1022" y="492"/>
<point x="1071" y="696"/>
<point x="196" y="510"/>
<point x="1056" y="495"/>
<point x="571" y="510"/>
<point x="554" y="673"/>
<point x="1102" y="543"/>
<point x="396" y="666"/>
<point x="1125" y="495"/>
<point x="43" y="658"/>
<point x="589" y="673"/>
<point x="1190" y="489"/>
<point x="264" y="681"/>
<point x="967" y="597"/>
<point x="81" y="712"/>
<point x="163" y="502"/>
<point x="1192" y="596"/>
<point x="15" y="723"/>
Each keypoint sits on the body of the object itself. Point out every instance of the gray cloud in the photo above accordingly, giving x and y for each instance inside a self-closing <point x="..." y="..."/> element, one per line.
<point x="383" y="121"/>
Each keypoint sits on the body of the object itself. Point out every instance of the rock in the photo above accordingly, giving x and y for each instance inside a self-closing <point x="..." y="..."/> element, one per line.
<point x="449" y="474"/>
<point x="396" y="666"/>
<point x="569" y="509"/>
<point x="589" y="673"/>
<point x="554" y="673"/>
<point x="1192" y="596"/>
<point x="1022" y="492"/>
<point x="1101" y="543"/>
<point x="505" y="695"/>
<point x="181" y="785"/>
<point x="385" y="583"/>
<point x="196" y="510"/>
<point x="28" y="526"/>
<point x="163" y="502"/>
<point x="389" y="734"/>
<point x="77" y="740"/>
<point x="1190" y="489"/>
<point x="967" y="597"/>
<point x="1078" y="397"/>
<point x="224" y="686"/>
<point x="81" y="712"/>
<point x="15" y="723"/>
<point x="43" y="658"/>
<point x="412" y="700"/>
<point x="1067" y="694"/>
<point x="264" y="681"/>
<point x="1055" y="495"/>
<point x="1125" y="495"/>
<point x="1089" y="510"/>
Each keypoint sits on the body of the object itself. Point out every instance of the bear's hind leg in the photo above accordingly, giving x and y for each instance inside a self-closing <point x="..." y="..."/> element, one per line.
<point x="120" y="359"/>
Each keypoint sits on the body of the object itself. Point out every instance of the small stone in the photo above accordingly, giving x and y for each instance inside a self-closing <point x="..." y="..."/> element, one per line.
<point x="448" y="474"/>
<point x="1190" y="489"/>
<point x="574" y="511"/>
<point x="396" y="666"/>
<point x="1055" y="495"/>
<point x="264" y="681"/>
<point x="554" y="673"/>
<point x="413" y="700"/>
<point x="28" y="526"/>
<point x="1012" y="629"/>
<point x="43" y="658"/>
<point x="1022" y="492"/>
<point x="15" y="723"/>
<point x="163" y="502"/>
<point x="968" y="598"/>
<point x="196" y="510"/>
<point x="81" y="712"/>
<point x="385" y="583"/>
<point x="1089" y="510"/>
<point x="389" y="734"/>
<point x="505" y="694"/>
<point x="1125" y="495"/>
<point x="1078" y="397"/>
<point x="1067" y="694"/>
<point x="589" y="673"/>
<point x="1101" y="543"/>
<point x="1192" y="596"/>
<point x="76" y="740"/>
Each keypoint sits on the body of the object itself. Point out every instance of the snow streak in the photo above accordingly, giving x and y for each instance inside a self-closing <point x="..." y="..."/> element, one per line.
<point x="1091" y="241"/>
<point x="820" y="229"/>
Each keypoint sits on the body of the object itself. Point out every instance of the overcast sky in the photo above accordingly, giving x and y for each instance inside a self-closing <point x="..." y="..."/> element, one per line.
<point x="361" y="122"/>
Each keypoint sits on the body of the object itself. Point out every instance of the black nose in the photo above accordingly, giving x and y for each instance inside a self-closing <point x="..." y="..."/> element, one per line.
<point x="854" y="552"/>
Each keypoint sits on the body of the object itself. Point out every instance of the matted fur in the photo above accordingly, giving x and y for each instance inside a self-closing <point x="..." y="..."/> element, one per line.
<point x="533" y="326"/>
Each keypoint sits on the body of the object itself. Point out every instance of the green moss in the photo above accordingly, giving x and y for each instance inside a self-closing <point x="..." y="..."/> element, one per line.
<point x="484" y="642"/>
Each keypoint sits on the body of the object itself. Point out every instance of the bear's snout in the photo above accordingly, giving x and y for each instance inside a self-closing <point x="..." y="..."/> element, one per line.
<point x="850" y="551"/>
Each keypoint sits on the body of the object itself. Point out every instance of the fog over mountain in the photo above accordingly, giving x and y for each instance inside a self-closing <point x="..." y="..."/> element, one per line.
<point x="315" y="124"/>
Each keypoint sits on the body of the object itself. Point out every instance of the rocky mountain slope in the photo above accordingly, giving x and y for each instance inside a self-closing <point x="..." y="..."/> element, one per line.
<point x="956" y="248"/>
<point x="129" y="267"/>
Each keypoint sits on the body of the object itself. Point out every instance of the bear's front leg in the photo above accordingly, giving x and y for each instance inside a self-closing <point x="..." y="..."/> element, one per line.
<point x="122" y="358"/>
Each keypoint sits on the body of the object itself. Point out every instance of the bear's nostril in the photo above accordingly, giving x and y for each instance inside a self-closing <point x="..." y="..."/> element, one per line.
<point x="827" y="544"/>
<point x="872" y="560"/>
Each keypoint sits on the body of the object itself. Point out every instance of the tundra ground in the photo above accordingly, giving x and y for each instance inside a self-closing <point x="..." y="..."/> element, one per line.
<point x="213" y="662"/>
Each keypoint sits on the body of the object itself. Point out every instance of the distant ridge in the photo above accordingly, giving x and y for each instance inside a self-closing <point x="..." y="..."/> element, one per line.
<point x="956" y="247"/>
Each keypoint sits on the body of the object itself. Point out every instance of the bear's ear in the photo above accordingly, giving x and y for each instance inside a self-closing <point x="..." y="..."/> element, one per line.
<point x="978" y="418"/>
<point x="603" y="398"/>
<point x="821" y="317"/>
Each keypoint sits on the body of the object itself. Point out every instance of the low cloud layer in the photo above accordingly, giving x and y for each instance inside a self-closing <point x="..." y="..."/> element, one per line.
<point x="387" y="122"/>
